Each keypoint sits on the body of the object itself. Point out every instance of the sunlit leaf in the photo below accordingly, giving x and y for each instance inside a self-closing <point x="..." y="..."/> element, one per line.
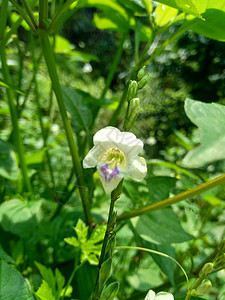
<point x="187" y="6"/>
<point x="164" y="14"/>
<point x="12" y="284"/>
<point x="44" y="292"/>
<point x="209" y="117"/>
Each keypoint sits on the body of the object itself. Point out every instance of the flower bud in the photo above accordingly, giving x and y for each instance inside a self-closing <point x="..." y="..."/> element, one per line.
<point x="110" y="292"/>
<point x="132" y="90"/>
<point x="207" y="268"/>
<point x="219" y="260"/>
<point x="132" y="114"/>
<point x="141" y="73"/>
<point x="143" y="81"/>
<point x="202" y="289"/>
<point x="104" y="273"/>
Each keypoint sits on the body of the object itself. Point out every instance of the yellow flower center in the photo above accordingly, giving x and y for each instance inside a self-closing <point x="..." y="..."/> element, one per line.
<point x="114" y="157"/>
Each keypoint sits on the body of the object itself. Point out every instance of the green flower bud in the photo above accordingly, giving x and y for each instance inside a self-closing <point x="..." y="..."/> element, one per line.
<point x="132" y="114"/>
<point x="202" y="289"/>
<point x="132" y="90"/>
<point x="141" y="73"/>
<point x="207" y="268"/>
<point x="143" y="81"/>
<point x="104" y="273"/>
<point x="219" y="260"/>
<point x="110" y="292"/>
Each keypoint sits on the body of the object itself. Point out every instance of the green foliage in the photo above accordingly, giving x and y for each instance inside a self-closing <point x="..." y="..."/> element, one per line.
<point x="210" y="120"/>
<point x="60" y="92"/>
<point x="90" y="247"/>
<point x="12" y="284"/>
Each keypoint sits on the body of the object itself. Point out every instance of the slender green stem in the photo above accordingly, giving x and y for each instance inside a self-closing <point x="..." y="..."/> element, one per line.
<point x="51" y="65"/>
<point x="54" y="23"/>
<point x="30" y="13"/>
<point x="14" y="118"/>
<point x="24" y="15"/>
<point x="43" y="13"/>
<point x="110" y="225"/>
<point x="3" y="18"/>
<point x="180" y="197"/>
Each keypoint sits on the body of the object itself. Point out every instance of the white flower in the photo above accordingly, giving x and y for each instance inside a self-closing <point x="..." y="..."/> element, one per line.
<point x="115" y="154"/>
<point x="160" y="296"/>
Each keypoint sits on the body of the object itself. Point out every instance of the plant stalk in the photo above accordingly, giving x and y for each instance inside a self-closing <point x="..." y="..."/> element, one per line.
<point x="51" y="66"/>
<point x="169" y="201"/>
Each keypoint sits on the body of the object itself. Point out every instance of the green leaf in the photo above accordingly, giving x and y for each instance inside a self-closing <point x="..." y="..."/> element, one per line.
<point x="159" y="187"/>
<point x="109" y="21"/>
<point x="19" y="217"/>
<point x="148" y="5"/>
<point x="209" y="117"/>
<point x="80" y="113"/>
<point x="164" y="14"/>
<point x="211" y="26"/>
<point x="48" y="276"/>
<point x="10" y="86"/>
<point x="8" y="165"/>
<point x="60" y="281"/>
<point x="160" y="227"/>
<point x="187" y="6"/>
<point x="45" y="292"/>
<point x="12" y="284"/>
<point x="137" y="6"/>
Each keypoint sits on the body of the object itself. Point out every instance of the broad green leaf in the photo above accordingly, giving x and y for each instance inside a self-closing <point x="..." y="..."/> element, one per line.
<point x="159" y="187"/>
<point x="45" y="292"/>
<point x="160" y="227"/>
<point x="19" y="217"/>
<point x="5" y="256"/>
<point x="109" y="21"/>
<point x="164" y="14"/>
<point x="36" y="158"/>
<point x="209" y="117"/>
<point x="80" y="113"/>
<point x="60" y="281"/>
<point x="187" y="6"/>
<point x="211" y="26"/>
<point x="137" y="6"/>
<point x="12" y="284"/>
<point x="8" y="165"/>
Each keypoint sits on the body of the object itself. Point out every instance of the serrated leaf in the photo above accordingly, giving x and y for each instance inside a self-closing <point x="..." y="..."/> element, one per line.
<point x="81" y="231"/>
<point x="98" y="233"/>
<point x="48" y="277"/>
<point x="160" y="227"/>
<point x="72" y="241"/>
<point x="60" y="281"/>
<point x="45" y="292"/>
<point x="209" y="117"/>
<point x="12" y="284"/>
<point x="8" y="165"/>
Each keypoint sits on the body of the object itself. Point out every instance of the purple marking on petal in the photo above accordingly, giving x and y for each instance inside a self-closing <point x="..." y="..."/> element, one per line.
<point x="115" y="172"/>
<point x="105" y="171"/>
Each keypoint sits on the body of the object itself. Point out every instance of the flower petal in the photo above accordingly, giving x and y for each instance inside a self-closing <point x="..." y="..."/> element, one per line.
<point x="137" y="168"/>
<point x="164" y="296"/>
<point x="150" y="295"/>
<point x="111" y="137"/>
<point x="92" y="158"/>
<point x="109" y="183"/>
